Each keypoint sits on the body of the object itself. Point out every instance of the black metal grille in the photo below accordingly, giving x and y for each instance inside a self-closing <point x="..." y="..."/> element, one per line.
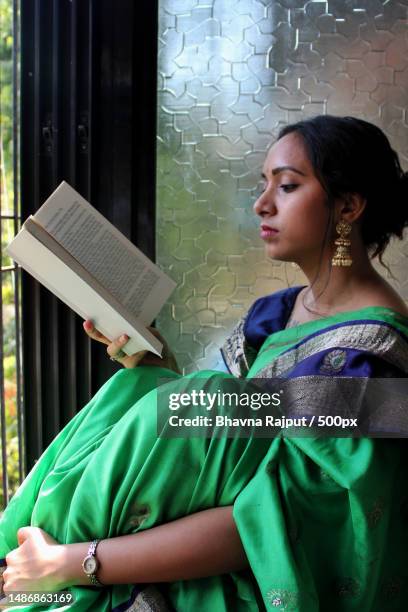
<point x="88" y="116"/>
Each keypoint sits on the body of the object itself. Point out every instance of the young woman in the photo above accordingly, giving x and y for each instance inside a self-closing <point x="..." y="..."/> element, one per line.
<point x="233" y="523"/>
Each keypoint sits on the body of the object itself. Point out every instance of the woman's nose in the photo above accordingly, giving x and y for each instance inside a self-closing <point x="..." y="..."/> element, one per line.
<point x="264" y="205"/>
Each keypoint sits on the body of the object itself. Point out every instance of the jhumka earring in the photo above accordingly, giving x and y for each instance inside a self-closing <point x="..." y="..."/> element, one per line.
<point x="342" y="255"/>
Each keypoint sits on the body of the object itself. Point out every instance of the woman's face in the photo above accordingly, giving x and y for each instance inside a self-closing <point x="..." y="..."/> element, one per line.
<point x="292" y="207"/>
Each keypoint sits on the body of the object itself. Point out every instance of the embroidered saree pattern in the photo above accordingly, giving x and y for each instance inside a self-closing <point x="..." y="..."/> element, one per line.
<point x="376" y="338"/>
<point x="237" y="353"/>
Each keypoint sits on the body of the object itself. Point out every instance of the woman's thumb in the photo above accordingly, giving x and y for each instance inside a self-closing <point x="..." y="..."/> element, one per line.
<point x="26" y="532"/>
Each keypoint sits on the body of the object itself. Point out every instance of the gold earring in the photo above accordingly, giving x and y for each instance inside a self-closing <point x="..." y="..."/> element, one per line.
<point x="342" y="255"/>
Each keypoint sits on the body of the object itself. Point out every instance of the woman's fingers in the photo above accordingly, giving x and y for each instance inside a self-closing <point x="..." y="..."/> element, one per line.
<point x="94" y="333"/>
<point x="115" y="348"/>
<point x="116" y="353"/>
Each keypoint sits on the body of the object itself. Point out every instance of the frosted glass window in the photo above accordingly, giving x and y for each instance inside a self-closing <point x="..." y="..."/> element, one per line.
<point x="231" y="73"/>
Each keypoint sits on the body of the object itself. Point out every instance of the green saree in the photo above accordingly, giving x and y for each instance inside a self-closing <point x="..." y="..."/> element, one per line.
<point x="324" y="522"/>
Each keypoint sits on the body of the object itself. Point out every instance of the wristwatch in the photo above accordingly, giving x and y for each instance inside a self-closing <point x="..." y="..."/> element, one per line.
<point x="90" y="564"/>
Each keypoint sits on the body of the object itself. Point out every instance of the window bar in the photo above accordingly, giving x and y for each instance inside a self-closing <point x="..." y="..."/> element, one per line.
<point x="69" y="397"/>
<point x="50" y="356"/>
<point x="17" y="218"/>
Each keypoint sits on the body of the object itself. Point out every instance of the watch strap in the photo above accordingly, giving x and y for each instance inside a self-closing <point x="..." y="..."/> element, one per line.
<point x="92" y="548"/>
<point x="92" y="553"/>
<point x="94" y="580"/>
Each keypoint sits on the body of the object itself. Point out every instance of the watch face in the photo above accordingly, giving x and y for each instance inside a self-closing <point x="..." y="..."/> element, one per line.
<point x="90" y="565"/>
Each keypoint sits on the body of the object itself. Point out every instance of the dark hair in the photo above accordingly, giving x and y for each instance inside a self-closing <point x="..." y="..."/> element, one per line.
<point x="350" y="155"/>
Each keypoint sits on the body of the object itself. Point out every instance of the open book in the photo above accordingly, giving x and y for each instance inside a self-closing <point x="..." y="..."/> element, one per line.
<point x="71" y="249"/>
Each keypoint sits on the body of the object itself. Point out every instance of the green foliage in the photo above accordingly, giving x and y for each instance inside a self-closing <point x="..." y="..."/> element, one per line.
<point x="6" y="98"/>
<point x="8" y="294"/>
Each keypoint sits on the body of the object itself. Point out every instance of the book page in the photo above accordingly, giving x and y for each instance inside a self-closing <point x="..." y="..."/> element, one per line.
<point x="108" y="255"/>
<point x="78" y="294"/>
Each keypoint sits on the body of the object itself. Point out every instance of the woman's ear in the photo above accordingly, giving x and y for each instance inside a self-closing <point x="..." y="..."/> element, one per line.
<point x="351" y="207"/>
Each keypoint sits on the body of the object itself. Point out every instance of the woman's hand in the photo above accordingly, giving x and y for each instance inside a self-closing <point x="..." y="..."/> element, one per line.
<point x="114" y="350"/>
<point x="36" y="564"/>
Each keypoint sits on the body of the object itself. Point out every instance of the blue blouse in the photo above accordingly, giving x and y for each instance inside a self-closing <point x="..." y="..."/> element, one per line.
<point x="270" y="314"/>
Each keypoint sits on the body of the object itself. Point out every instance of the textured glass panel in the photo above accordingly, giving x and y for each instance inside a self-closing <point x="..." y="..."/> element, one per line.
<point x="231" y="72"/>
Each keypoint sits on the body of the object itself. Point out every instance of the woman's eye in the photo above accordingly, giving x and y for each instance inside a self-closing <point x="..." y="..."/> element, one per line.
<point x="288" y="187"/>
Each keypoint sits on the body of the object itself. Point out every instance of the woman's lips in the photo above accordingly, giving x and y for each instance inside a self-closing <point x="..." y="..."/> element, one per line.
<point x="267" y="232"/>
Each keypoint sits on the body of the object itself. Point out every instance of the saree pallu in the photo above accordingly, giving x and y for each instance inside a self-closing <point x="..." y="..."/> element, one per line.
<point x="323" y="521"/>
